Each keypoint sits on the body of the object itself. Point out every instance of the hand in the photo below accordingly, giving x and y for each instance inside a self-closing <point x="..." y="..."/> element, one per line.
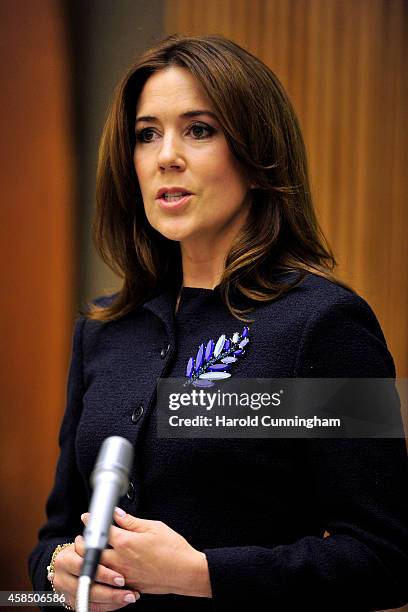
<point x="67" y="567"/>
<point x="154" y="558"/>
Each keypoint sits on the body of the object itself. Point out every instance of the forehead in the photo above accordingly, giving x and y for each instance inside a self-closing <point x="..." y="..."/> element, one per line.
<point x="172" y="88"/>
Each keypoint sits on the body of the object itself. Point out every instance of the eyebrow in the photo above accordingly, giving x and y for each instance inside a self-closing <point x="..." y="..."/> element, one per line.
<point x="187" y="115"/>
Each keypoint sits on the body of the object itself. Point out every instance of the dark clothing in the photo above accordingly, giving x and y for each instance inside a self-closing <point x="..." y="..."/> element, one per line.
<point x="258" y="508"/>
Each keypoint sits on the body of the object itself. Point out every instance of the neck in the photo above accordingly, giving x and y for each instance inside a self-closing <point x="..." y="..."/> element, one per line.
<point x="203" y="257"/>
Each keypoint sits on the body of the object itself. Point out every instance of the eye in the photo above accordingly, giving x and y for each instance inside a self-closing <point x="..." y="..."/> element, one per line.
<point x="145" y="135"/>
<point x="201" y="130"/>
<point x="198" y="131"/>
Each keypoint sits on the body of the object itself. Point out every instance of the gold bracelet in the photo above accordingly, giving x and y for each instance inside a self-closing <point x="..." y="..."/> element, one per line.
<point x="51" y="568"/>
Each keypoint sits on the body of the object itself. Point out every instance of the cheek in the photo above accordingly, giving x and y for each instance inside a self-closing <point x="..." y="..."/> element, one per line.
<point x="141" y="167"/>
<point x="226" y="179"/>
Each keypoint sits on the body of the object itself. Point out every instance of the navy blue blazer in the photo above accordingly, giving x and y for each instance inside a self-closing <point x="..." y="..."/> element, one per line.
<point x="258" y="508"/>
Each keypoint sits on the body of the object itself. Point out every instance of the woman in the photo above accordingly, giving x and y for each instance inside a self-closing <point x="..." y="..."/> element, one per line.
<point x="204" y="210"/>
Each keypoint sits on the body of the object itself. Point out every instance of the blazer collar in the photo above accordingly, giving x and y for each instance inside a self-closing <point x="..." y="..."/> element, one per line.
<point x="162" y="305"/>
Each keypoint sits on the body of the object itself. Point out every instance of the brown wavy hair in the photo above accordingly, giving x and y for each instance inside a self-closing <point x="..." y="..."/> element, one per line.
<point x="281" y="233"/>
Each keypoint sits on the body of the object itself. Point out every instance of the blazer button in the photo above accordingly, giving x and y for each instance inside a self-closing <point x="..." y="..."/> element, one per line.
<point x="137" y="413"/>
<point x="164" y="351"/>
<point x="131" y="491"/>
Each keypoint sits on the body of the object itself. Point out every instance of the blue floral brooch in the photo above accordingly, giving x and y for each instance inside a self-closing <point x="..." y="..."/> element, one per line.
<point x="214" y="360"/>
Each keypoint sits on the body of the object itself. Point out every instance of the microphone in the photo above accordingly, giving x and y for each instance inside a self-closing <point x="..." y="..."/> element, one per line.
<point x="110" y="480"/>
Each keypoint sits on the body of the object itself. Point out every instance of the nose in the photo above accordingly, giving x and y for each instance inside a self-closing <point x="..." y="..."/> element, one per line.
<point x="170" y="154"/>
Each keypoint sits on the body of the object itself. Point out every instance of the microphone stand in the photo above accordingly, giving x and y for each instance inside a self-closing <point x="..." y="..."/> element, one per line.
<point x="82" y="596"/>
<point x="86" y="579"/>
<point x="110" y="481"/>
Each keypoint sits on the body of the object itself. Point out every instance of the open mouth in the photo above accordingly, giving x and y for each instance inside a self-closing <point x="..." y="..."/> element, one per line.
<point x="173" y="200"/>
<point x="174" y="197"/>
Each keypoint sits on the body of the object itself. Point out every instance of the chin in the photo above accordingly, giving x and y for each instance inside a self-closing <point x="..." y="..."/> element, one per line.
<point x="172" y="232"/>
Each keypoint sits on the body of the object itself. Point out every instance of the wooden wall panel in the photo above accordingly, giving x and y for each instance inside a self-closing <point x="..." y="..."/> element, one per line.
<point x="343" y="63"/>
<point x="37" y="254"/>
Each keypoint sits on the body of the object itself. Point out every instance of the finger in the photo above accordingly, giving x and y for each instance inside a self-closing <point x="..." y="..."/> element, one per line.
<point x="108" y="561"/>
<point x="126" y="521"/>
<point x="108" y="596"/>
<point x="104" y="574"/>
<point x="80" y="545"/>
<point x="116" y="534"/>
<point x="133" y="523"/>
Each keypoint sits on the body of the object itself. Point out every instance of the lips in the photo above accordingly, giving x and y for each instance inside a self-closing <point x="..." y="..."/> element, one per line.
<point x="172" y="202"/>
<point x="172" y="192"/>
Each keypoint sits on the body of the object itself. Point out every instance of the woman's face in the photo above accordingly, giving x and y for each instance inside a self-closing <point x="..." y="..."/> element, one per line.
<point x="192" y="185"/>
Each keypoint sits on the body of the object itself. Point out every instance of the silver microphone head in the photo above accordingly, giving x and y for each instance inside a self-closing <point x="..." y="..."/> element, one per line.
<point x="116" y="454"/>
